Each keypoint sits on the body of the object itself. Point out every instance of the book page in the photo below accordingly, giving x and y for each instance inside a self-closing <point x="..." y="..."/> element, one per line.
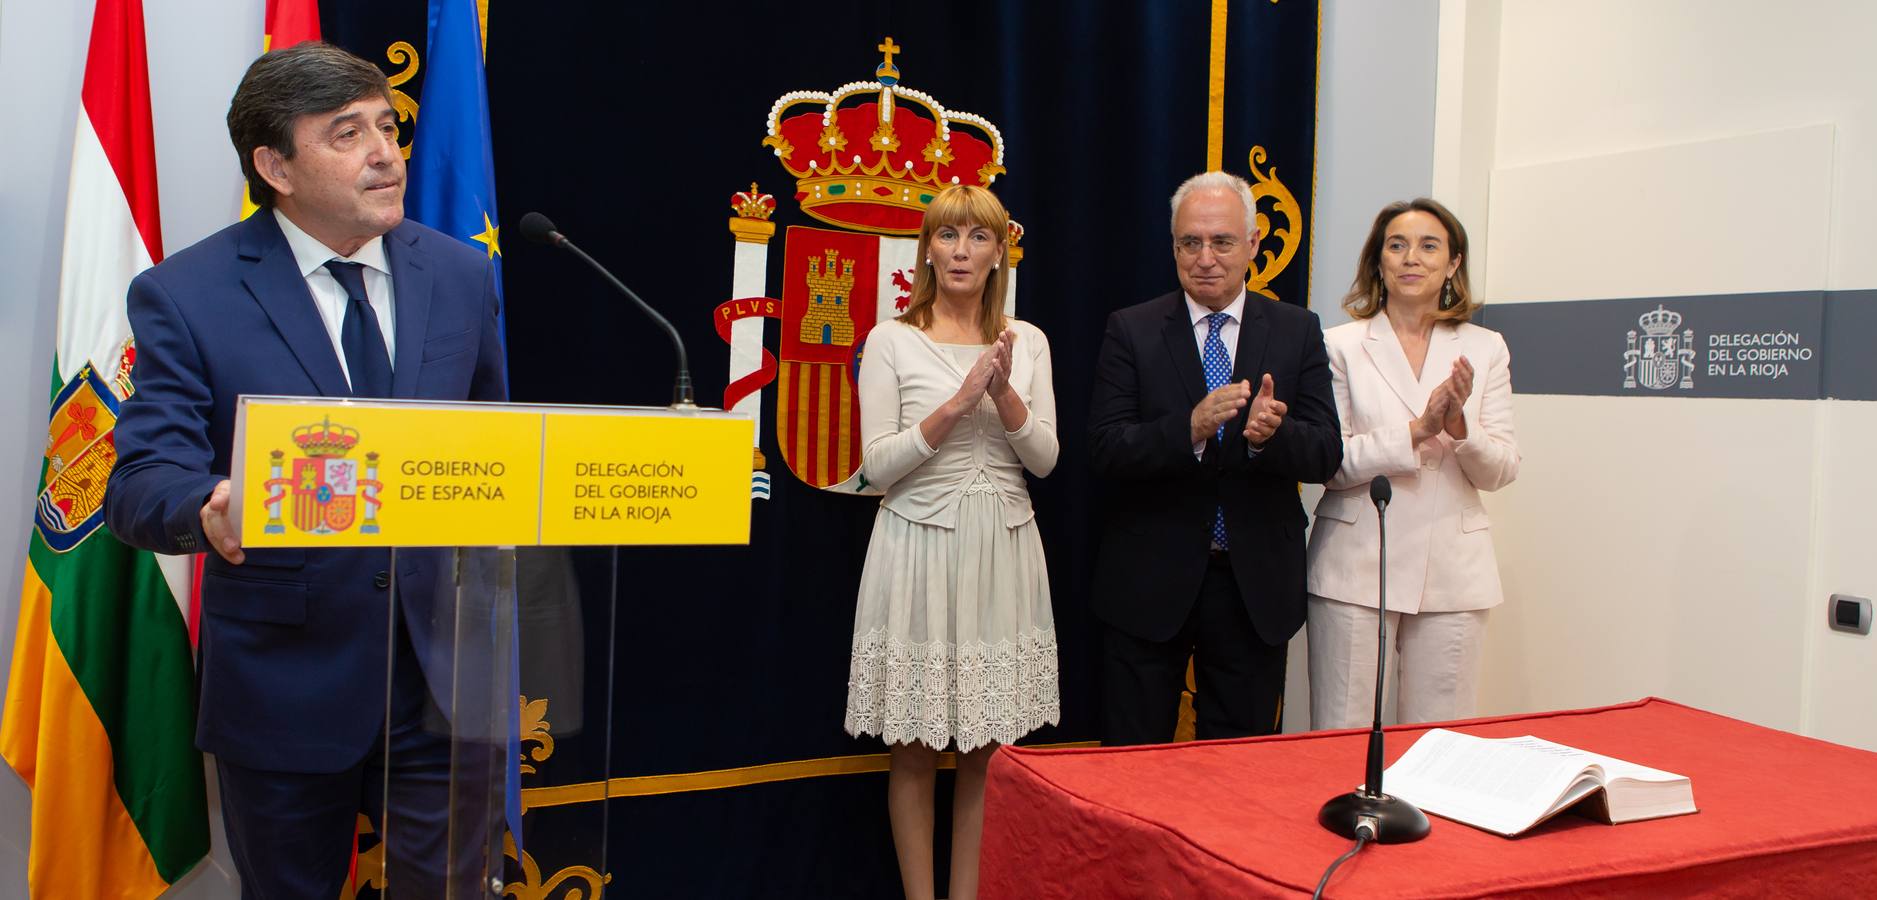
<point x="1504" y="784"/>
<point x="1616" y="768"/>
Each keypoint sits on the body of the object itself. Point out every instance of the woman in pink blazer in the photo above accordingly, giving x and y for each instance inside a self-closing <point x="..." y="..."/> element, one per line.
<point x="1425" y="398"/>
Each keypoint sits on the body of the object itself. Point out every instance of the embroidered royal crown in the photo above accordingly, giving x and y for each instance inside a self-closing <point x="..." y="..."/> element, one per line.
<point x="1659" y="321"/>
<point x="753" y="204"/>
<point x="872" y="154"/>
<point x="324" y="439"/>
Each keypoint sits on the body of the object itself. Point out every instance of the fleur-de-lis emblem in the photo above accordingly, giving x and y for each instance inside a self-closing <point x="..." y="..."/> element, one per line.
<point x="534" y="730"/>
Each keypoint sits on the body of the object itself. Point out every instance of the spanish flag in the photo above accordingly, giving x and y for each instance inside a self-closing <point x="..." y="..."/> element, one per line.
<point x="100" y="706"/>
<point x="288" y="22"/>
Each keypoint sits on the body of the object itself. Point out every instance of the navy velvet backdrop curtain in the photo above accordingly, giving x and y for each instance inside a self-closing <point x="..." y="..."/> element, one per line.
<point x="631" y="124"/>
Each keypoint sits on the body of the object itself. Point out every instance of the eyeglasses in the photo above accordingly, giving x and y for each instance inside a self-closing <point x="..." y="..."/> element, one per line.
<point x="1222" y="245"/>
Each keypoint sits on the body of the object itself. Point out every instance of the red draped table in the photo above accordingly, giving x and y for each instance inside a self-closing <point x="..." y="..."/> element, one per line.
<point x="1781" y="816"/>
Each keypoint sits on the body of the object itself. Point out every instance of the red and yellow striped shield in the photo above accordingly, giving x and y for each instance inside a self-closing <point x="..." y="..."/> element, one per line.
<point x="829" y="297"/>
<point x="836" y="285"/>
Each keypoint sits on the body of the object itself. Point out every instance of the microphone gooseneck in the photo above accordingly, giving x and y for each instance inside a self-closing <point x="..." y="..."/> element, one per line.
<point x="1369" y="812"/>
<point x="1380" y="491"/>
<point x="539" y="228"/>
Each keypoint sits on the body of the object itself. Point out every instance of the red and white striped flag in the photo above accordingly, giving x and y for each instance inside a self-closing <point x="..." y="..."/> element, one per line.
<point x="100" y="707"/>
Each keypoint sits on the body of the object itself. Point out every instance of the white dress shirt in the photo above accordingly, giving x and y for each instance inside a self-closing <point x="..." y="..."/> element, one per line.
<point x="1228" y="332"/>
<point x="329" y="296"/>
<point x="1234" y="314"/>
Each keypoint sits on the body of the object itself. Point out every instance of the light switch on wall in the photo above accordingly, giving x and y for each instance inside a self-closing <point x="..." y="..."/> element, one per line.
<point x="1844" y="612"/>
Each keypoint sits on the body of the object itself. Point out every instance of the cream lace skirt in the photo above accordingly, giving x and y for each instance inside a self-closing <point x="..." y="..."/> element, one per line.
<point x="953" y="638"/>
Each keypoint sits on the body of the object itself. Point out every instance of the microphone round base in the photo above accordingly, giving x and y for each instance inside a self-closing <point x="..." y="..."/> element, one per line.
<point x="1396" y="821"/>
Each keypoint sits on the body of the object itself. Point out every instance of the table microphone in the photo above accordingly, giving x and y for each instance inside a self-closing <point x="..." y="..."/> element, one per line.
<point x="539" y="228"/>
<point x="1383" y="819"/>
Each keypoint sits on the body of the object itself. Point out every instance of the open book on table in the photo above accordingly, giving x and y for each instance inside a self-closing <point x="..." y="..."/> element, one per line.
<point x="1508" y="785"/>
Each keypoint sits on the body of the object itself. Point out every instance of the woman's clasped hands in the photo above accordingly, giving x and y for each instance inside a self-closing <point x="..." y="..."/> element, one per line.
<point x="1445" y="406"/>
<point x="990" y="375"/>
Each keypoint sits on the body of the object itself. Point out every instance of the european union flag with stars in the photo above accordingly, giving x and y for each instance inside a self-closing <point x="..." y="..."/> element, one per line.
<point x="452" y="189"/>
<point x="452" y="169"/>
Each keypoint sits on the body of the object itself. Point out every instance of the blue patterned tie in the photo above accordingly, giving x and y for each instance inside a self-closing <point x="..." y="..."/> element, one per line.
<point x="1218" y="365"/>
<point x="366" y="359"/>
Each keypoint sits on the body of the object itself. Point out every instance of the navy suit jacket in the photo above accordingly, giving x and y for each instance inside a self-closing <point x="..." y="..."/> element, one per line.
<point x="1160" y="500"/>
<point x="293" y="641"/>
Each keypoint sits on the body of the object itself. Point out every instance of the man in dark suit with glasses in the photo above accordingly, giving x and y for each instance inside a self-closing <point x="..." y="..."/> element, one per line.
<point x="1209" y="406"/>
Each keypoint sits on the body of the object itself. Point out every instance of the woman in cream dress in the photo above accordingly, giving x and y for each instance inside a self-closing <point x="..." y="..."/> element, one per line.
<point x="953" y="638"/>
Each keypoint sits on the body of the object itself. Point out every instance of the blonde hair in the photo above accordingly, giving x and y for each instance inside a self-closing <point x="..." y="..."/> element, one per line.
<point x="1368" y="295"/>
<point x="971" y="206"/>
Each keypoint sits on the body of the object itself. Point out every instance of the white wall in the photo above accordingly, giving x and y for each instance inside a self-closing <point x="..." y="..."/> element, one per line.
<point x="1375" y="144"/>
<point x="1375" y="129"/>
<point x="1674" y="546"/>
<point x="197" y="49"/>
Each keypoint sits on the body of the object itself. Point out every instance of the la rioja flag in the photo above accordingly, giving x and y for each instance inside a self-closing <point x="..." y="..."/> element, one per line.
<point x="100" y="704"/>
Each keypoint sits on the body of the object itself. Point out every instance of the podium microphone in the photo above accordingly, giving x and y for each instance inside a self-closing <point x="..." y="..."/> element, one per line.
<point x="1368" y="812"/>
<point x="539" y="228"/>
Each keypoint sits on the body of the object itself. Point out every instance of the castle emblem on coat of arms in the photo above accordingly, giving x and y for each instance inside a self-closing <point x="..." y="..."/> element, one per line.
<point x="867" y="158"/>
<point x="327" y="492"/>
<point x="1662" y="359"/>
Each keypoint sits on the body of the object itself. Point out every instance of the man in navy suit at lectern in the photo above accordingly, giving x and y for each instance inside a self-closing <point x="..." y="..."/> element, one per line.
<point x="325" y="291"/>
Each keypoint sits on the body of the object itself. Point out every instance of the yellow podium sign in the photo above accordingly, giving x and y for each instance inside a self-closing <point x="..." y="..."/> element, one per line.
<point x="317" y="472"/>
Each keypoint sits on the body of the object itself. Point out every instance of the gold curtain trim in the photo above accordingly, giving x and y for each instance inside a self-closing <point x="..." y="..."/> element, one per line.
<point x="1316" y="142"/>
<point x="1215" y="92"/>
<point x="482" y="23"/>
<point x="653" y="785"/>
